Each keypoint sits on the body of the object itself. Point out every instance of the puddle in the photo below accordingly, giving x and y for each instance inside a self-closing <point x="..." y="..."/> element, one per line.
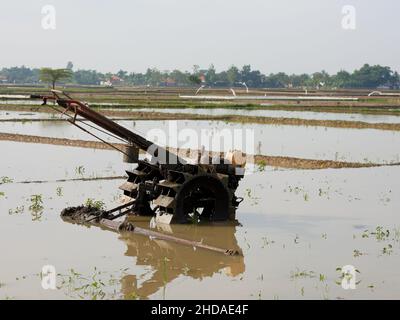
<point x="296" y="228"/>
<point x="351" y="145"/>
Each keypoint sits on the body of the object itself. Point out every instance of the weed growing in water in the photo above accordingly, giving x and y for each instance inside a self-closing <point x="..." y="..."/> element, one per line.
<point x="357" y="253"/>
<point x="17" y="210"/>
<point x="4" y="180"/>
<point x="96" y="204"/>
<point x="91" y="287"/>
<point x="261" y="165"/>
<point x="248" y="194"/>
<point x="301" y="274"/>
<point x="59" y="191"/>
<point x="388" y="249"/>
<point x="36" y="202"/>
<point x="36" y="206"/>
<point x="380" y="234"/>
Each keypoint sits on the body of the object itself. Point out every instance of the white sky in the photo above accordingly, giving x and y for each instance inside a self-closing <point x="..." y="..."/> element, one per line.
<point x="293" y="36"/>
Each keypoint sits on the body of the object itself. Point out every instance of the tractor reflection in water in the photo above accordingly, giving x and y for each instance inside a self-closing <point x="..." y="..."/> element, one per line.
<point x="170" y="260"/>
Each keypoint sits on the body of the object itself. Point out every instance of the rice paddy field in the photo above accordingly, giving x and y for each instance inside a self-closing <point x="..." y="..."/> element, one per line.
<point x="296" y="228"/>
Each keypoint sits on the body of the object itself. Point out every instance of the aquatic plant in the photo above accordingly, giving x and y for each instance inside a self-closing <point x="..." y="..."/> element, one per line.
<point x="36" y="203"/>
<point x="302" y="274"/>
<point x="97" y="286"/>
<point x="17" y="210"/>
<point x="357" y="253"/>
<point x="96" y="204"/>
<point x="261" y="165"/>
<point x="36" y="207"/>
<point x="59" y="191"/>
<point x="388" y="249"/>
<point x="379" y="233"/>
<point x="4" y="180"/>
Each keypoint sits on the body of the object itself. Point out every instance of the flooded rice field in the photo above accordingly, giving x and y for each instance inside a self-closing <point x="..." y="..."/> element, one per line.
<point x="305" y="115"/>
<point x="370" y="118"/>
<point x="296" y="228"/>
<point x="337" y="144"/>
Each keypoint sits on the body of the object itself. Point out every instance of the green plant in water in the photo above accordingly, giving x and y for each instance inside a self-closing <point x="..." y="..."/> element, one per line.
<point x="261" y="165"/>
<point x="4" y="180"/>
<point x="388" y="249"/>
<point x="36" y="203"/>
<point x="36" y="206"/>
<point x="380" y="234"/>
<point x="59" y="191"/>
<point x="357" y="253"/>
<point x="17" y="210"/>
<point x="302" y="274"/>
<point x="91" y="287"/>
<point x="96" y="204"/>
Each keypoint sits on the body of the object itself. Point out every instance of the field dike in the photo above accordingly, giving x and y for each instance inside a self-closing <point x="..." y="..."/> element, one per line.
<point x="260" y="160"/>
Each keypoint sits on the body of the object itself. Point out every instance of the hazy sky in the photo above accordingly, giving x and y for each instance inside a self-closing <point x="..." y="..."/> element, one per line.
<point x="293" y="36"/>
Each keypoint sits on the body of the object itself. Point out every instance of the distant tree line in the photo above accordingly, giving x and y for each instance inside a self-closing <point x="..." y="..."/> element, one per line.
<point x="367" y="76"/>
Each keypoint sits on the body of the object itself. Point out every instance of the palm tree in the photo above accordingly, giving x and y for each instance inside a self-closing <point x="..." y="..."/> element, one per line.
<point x="54" y="75"/>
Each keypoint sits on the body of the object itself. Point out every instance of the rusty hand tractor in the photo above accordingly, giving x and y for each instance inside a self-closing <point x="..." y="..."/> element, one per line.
<point x="166" y="186"/>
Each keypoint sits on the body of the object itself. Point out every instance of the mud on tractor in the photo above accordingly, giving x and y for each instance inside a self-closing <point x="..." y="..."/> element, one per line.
<point x="164" y="185"/>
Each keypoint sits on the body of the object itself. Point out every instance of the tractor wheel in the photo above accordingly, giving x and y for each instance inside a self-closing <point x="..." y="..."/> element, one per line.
<point x="203" y="197"/>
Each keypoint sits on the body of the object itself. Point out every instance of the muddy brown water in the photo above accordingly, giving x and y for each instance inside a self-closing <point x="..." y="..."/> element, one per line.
<point x="296" y="228"/>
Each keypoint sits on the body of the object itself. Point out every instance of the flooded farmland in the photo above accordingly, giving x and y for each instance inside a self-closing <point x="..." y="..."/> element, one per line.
<point x="370" y="118"/>
<point x="351" y="145"/>
<point x="296" y="227"/>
